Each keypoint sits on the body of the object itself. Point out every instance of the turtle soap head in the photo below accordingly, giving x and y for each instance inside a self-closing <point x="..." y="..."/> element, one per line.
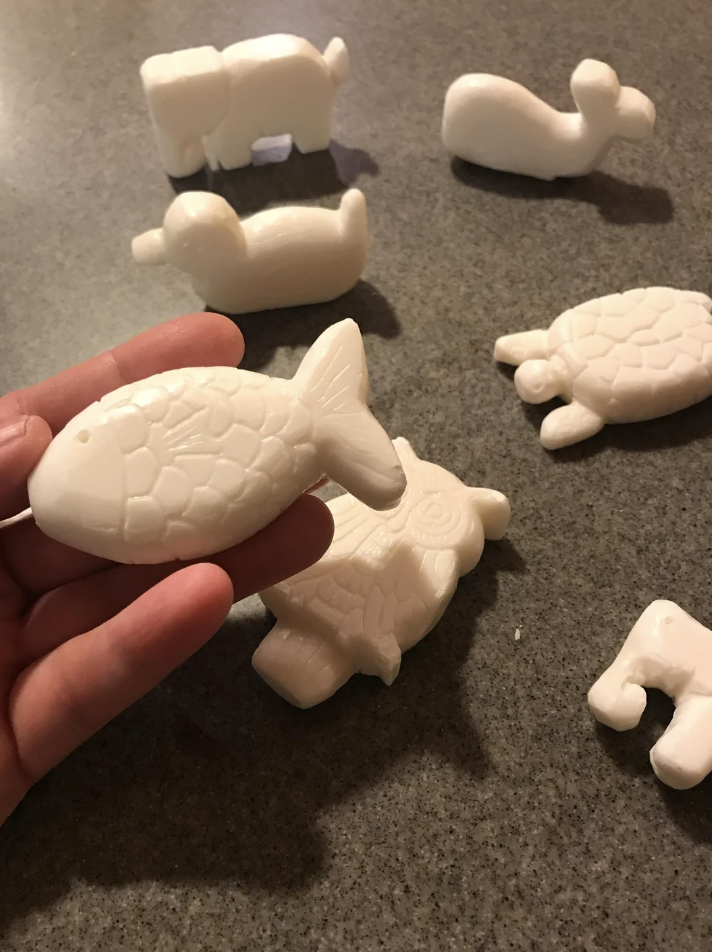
<point x="669" y="650"/>
<point x="623" y="358"/>
<point x="193" y="461"/>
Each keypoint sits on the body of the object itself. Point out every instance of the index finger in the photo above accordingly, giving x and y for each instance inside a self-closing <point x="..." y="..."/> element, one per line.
<point x="196" y="340"/>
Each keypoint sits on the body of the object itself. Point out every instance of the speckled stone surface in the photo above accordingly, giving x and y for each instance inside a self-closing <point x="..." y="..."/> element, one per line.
<point x="474" y="805"/>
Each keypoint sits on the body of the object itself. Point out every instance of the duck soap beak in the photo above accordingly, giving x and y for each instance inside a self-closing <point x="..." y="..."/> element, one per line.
<point x="150" y="247"/>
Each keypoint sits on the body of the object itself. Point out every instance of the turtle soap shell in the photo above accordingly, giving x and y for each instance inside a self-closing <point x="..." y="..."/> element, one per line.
<point x="193" y="461"/>
<point x="617" y="359"/>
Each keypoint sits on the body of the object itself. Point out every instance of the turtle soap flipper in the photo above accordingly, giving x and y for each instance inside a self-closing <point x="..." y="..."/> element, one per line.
<point x="622" y="358"/>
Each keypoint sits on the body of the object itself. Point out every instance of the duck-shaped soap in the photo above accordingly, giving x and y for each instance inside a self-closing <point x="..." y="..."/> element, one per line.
<point x="191" y="462"/>
<point x="666" y="649"/>
<point x="617" y="359"/>
<point x="495" y="122"/>
<point x="282" y="257"/>
<point x="381" y="587"/>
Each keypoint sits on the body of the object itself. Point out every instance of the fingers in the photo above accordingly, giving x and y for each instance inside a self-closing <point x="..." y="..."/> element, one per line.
<point x="23" y="440"/>
<point x="66" y="696"/>
<point x="295" y="540"/>
<point x="197" y="340"/>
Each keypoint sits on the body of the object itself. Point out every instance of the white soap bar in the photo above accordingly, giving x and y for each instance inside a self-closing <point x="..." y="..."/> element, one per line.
<point x="617" y="359"/>
<point x="278" y="258"/>
<point x="206" y="104"/>
<point x="492" y="121"/>
<point x="381" y="587"/>
<point x="190" y="462"/>
<point x="669" y="650"/>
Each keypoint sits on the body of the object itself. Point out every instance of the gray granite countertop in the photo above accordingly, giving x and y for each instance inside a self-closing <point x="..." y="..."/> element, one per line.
<point x="474" y="804"/>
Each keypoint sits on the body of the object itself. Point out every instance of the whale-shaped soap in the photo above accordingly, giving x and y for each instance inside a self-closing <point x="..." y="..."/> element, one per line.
<point x="190" y="462"/>
<point x="495" y="122"/>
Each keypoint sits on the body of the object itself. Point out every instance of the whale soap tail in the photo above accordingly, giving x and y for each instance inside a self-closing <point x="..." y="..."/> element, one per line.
<point x="605" y="104"/>
<point x="354" y="221"/>
<point x="336" y="57"/>
<point x="354" y="450"/>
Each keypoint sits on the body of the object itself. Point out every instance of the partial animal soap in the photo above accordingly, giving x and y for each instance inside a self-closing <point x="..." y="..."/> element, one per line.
<point x="494" y="122"/>
<point x="669" y="650"/>
<point x="190" y="462"/>
<point x="282" y="257"/>
<point x="212" y="106"/>
<point x="381" y="587"/>
<point x="622" y="358"/>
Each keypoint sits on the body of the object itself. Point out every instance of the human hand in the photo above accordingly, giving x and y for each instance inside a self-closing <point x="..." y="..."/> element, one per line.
<point x="82" y="638"/>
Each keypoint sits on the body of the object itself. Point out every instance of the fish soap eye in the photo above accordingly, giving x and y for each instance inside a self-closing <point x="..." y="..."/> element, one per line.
<point x="83" y="436"/>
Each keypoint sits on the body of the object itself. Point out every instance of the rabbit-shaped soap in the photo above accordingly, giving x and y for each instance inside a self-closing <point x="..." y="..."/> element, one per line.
<point x="495" y="122"/>
<point x="381" y="587"/>
<point x="282" y="257"/>
<point x="669" y="650"/>
<point x="210" y="105"/>
<point x="617" y="359"/>
<point x="190" y="462"/>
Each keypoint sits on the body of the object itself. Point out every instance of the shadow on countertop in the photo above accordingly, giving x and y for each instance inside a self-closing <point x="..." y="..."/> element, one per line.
<point x="690" y="809"/>
<point x="281" y="175"/>
<point x="264" y="331"/>
<point x="214" y="778"/>
<point x="666" y="432"/>
<point x="621" y="203"/>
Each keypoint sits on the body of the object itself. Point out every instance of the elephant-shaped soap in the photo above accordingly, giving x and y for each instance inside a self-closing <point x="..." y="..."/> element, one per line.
<point x="495" y="122"/>
<point x="381" y="587"/>
<point x="669" y="650"/>
<point x="190" y="462"/>
<point x="210" y="105"/>
<point x="623" y="358"/>
<point x="281" y="257"/>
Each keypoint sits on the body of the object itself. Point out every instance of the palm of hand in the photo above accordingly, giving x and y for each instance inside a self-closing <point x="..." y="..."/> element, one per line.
<point x="82" y="638"/>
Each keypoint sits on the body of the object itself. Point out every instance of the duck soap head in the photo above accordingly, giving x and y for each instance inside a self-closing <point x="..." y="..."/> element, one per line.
<point x="383" y="584"/>
<point x="669" y="650"/>
<point x="191" y="462"/>
<point x="622" y="358"/>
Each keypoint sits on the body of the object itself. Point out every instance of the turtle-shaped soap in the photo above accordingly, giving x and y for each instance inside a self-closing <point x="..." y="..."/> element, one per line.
<point x="616" y="359"/>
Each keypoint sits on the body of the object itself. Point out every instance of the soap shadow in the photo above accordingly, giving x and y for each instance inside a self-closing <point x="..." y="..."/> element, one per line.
<point x="281" y="175"/>
<point x="667" y="432"/>
<point x="265" y="331"/>
<point x="619" y="202"/>
<point x="690" y="809"/>
<point x="213" y="778"/>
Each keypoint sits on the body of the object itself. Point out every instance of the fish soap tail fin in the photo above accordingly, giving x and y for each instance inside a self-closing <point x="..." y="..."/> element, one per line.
<point x="301" y="666"/>
<point x="354" y="449"/>
<point x="336" y="57"/>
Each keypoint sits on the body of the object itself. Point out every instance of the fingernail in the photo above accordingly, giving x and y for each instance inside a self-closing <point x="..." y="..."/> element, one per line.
<point x="13" y="431"/>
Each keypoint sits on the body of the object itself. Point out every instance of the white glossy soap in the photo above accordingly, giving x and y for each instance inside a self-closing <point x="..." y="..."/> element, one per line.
<point x="190" y="462"/>
<point x="206" y="104"/>
<point x="617" y="359"/>
<point x="669" y="650"/>
<point x="492" y="121"/>
<point x="278" y="258"/>
<point x="381" y="587"/>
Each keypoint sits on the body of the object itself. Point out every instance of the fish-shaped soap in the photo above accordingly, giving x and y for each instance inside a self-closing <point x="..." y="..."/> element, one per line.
<point x="381" y="587"/>
<point x="191" y="462"/>
<point x="494" y="122"/>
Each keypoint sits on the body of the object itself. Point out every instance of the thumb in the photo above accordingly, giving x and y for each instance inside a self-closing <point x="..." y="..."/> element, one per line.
<point x="23" y="440"/>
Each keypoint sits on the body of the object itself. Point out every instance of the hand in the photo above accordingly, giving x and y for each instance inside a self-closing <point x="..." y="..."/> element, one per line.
<point x="82" y="638"/>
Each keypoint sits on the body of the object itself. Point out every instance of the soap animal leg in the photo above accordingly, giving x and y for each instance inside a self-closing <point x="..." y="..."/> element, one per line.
<point x="516" y="348"/>
<point x="314" y="135"/>
<point x="230" y="147"/>
<point x="570" y="424"/>
<point x="617" y="699"/>
<point x="683" y="755"/>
